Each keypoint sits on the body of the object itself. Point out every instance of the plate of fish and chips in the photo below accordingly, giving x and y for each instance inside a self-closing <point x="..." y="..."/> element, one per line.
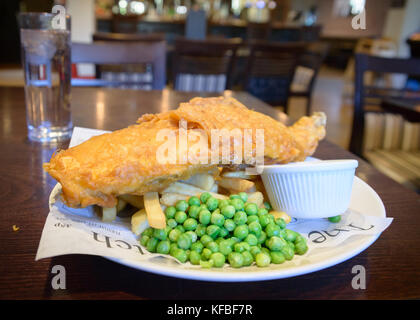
<point x="116" y="173"/>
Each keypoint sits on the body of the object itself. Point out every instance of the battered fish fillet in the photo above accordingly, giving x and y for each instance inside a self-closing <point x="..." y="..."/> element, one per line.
<point x="127" y="161"/>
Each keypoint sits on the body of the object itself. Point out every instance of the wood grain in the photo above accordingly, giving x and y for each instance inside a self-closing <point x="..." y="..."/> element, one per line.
<point x="391" y="262"/>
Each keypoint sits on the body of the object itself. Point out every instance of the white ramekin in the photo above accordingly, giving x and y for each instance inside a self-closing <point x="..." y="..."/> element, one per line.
<point x="310" y="189"/>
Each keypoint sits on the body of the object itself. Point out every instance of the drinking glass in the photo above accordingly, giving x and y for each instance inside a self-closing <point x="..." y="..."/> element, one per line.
<point x="46" y="61"/>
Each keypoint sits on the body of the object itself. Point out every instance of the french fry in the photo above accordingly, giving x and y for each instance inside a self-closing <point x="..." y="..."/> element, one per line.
<point x="204" y="181"/>
<point x="121" y="204"/>
<point x="281" y="214"/>
<point x="240" y="185"/>
<point x="135" y="201"/>
<point x="170" y="199"/>
<point x="256" y="197"/>
<point x="189" y="190"/>
<point x="239" y="175"/>
<point x="137" y="220"/>
<point x="109" y="214"/>
<point x="155" y="214"/>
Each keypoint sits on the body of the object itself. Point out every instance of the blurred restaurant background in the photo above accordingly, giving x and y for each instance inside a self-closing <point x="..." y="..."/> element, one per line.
<point x="355" y="60"/>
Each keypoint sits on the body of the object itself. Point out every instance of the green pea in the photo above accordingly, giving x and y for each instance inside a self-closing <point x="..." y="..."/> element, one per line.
<point x="213" y="231"/>
<point x="281" y="223"/>
<point x="241" y="231"/>
<point x="248" y="258"/>
<point x="194" y="201"/>
<point x="290" y="235"/>
<point x="268" y="206"/>
<point x="251" y="239"/>
<point x="240" y="218"/>
<point x="234" y="240"/>
<point x="262" y="237"/>
<point x="206" y="254"/>
<point x="217" y="219"/>
<point x="255" y="228"/>
<point x="204" y="197"/>
<point x="197" y="246"/>
<point x="225" y="247"/>
<point x="148" y="232"/>
<point x="181" y="205"/>
<point x="151" y="244"/>
<point x="184" y="241"/>
<point x="174" y="234"/>
<point x="237" y="203"/>
<point x="190" y="224"/>
<point x="243" y="196"/>
<point x="276" y="243"/>
<point x="235" y="259"/>
<point x="288" y="252"/>
<point x="212" y="203"/>
<point x="265" y="250"/>
<point x="180" y="228"/>
<point x="251" y="219"/>
<point x="255" y="250"/>
<point x="204" y="217"/>
<point x="262" y="259"/>
<point x="195" y="257"/>
<point x="205" y="239"/>
<point x="277" y="257"/>
<point x="272" y="230"/>
<point x="291" y="245"/>
<point x="143" y="240"/>
<point x="163" y="247"/>
<point x="180" y="216"/>
<point x="223" y="203"/>
<point x="171" y="223"/>
<point x="241" y="246"/>
<point x="223" y="232"/>
<point x="213" y="246"/>
<point x="301" y="247"/>
<point x="234" y="196"/>
<point x="160" y="234"/>
<point x="229" y="224"/>
<point x="200" y="230"/>
<point x="170" y="212"/>
<point x="218" y="259"/>
<point x="335" y="219"/>
<point x="193" y="211"/>
<point x="206" y="264"/>
<point x="262" y="212"/>
<point x="192" y="235"/>
<point x="228" y="211"/>
<point x="180" y="254"/>
<point x="264" y="220"/>
<point x="251" y="209"/>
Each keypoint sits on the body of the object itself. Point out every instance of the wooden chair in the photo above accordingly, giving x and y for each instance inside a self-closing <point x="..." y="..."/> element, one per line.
<point x="203" y="65"/>
<point x="270" y="70"/>
<point x="258" y="31"/>
<point x="119" y="53"/>
<point x="380" y="137"/>
<point x="307" y="71"/>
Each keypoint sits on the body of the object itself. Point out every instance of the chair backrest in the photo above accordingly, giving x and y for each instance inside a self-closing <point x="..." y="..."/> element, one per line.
<point x="258" y="31"/>
<point x="128" y="37"/>
<point x="203" y="65"/>
<point x="270" y="70"/>
<point x="364" y="63"/>
<point x="120" y="53"/>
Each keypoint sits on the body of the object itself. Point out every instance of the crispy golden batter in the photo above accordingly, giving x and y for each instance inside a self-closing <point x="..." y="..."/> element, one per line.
<point x="126" y="162"/>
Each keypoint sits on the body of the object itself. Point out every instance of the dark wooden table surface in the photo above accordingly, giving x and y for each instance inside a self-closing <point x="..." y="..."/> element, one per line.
<point x="408" y="108"/>
<point x="392" y="262"/>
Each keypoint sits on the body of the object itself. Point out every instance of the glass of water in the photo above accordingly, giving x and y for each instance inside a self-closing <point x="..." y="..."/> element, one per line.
<point x="45" y="50"/>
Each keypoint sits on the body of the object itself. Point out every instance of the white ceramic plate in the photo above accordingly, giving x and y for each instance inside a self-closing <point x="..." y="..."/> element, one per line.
<point x="364" y="199"/>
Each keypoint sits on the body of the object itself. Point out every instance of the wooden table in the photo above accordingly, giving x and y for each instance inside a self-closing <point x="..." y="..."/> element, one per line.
<point x="392" y="262"/>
